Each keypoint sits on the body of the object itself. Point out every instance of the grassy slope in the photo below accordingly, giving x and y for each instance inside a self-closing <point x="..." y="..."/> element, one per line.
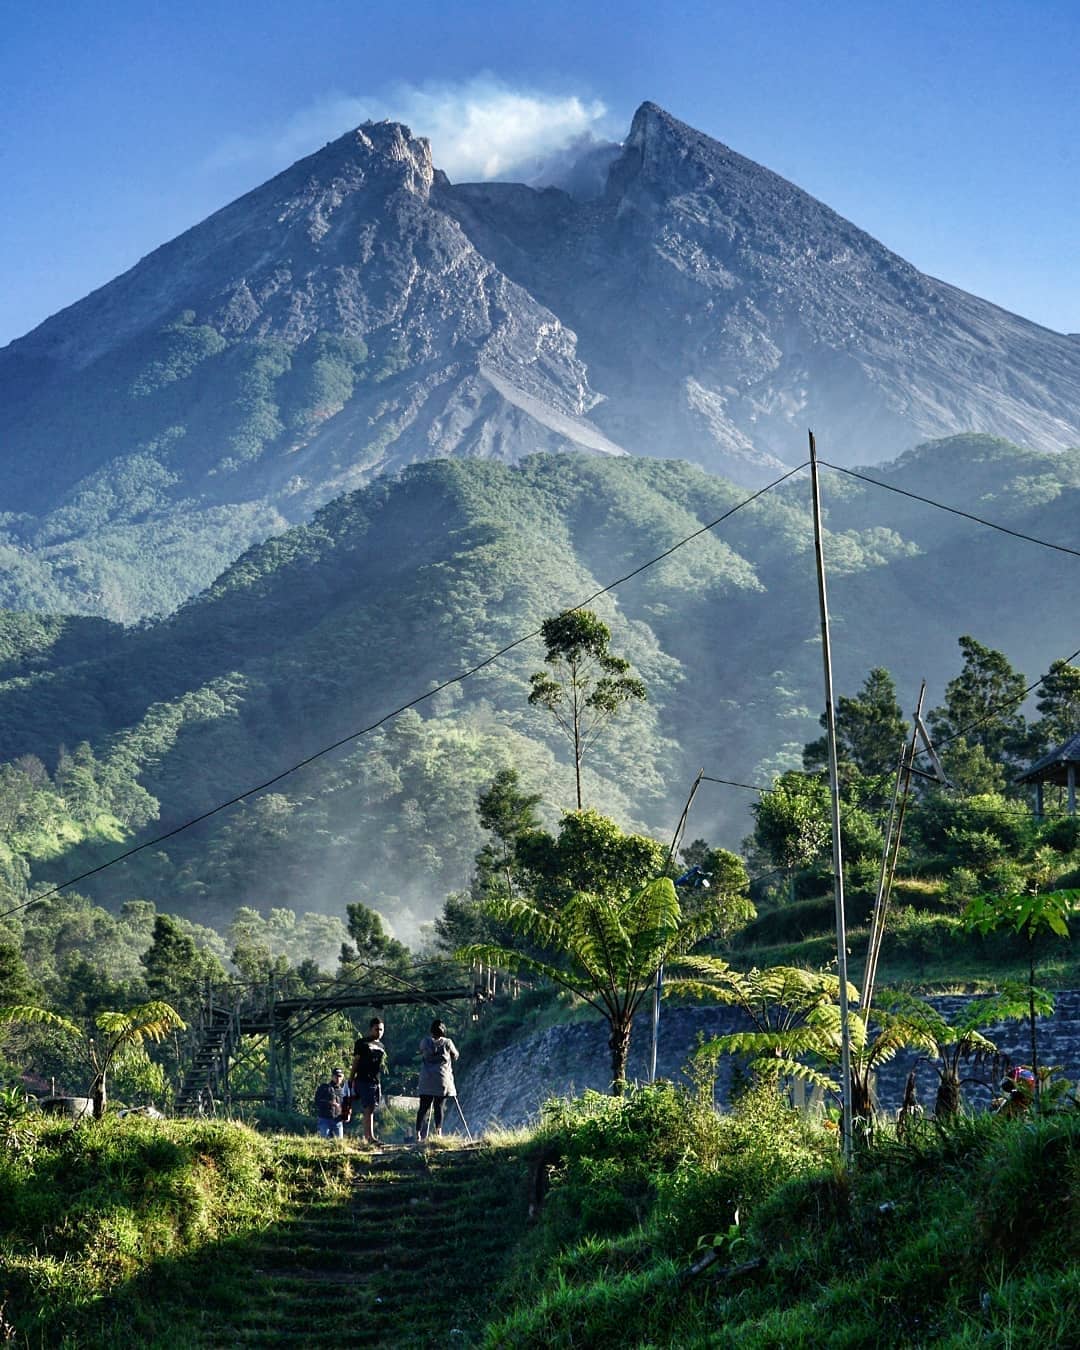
<point x="963" y="1236"/>
<point x="205" y="1234"/>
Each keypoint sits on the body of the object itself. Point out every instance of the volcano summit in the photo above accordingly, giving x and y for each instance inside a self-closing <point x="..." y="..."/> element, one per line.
<point x="360" y="312"/>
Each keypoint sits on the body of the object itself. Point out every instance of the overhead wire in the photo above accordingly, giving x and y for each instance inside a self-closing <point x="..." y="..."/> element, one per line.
<point x="953" y="510"/>
<point x="519" y="641"/>
<point x="994" y="525"/>
<point x="396" y="712"/>
<point x="730" y="782"/>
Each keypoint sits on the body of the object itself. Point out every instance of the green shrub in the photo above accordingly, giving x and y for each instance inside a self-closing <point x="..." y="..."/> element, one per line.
<point x="962" y="1235"/>
<point x="95" y="1205"/>
<point x="761" y="1144"/>
<point x="1062" y="834"/>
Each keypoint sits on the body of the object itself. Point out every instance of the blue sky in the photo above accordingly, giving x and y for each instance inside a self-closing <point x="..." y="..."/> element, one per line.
<point x="948" y="130"/>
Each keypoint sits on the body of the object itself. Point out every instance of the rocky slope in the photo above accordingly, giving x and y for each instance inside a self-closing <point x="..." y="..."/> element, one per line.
<point x="722" y="311"/>
<point x="359" y="312"/>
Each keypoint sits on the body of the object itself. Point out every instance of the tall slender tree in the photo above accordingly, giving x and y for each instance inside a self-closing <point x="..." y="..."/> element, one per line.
<point x="982" y="705"/>
<point x="509" y="814"/>
<point x="870" y="730"/>
<point x="587" y="684"/>
<point x="1059" y="706"/>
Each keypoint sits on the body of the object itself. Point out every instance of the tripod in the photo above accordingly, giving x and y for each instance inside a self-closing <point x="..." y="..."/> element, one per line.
<point x="461" y="1113"/>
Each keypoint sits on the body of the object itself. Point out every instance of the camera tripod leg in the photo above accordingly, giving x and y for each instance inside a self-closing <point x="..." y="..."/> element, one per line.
<point x="464" y="1122"/>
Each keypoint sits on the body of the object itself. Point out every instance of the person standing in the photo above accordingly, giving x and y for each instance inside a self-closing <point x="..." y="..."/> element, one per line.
<point x="437" y="1055"/>
<point x="369" y="1056"/>
<point x="328" y="1106"/>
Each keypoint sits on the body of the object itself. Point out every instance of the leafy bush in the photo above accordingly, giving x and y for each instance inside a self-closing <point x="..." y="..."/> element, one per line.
<point x="92" y="1206"/>
<point x="965" y="1235"/>
<point x="612" y="1151"/>
<point x="1062" y="834"/>
<point x="760" y="1145"/>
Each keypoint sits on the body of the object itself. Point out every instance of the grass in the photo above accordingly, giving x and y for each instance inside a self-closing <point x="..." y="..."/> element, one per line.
<point x="85" y="1210"/>
<point x="205" y="1234"/>
<point x="960" y="1236"/>
<point x="926" y="947"/>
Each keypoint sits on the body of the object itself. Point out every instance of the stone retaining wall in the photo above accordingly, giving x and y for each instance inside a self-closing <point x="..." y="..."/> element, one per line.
<point x="509" y="1087"/>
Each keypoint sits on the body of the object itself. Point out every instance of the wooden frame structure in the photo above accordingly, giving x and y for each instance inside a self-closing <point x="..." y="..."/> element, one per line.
<point x="261" y="1012"/>
<point x="1060" y="767"/>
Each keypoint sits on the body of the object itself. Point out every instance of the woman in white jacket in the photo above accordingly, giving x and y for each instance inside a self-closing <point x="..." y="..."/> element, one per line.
<point x="437" y="1054"/>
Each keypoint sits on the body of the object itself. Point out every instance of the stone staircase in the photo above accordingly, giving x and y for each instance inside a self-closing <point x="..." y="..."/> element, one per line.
<point x="409" y="1260"/>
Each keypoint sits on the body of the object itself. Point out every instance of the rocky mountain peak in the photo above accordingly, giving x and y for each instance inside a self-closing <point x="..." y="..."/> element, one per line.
<point x="394" y="143"/>
<point x="358" y="312"/>
<point x="662" y="156"/>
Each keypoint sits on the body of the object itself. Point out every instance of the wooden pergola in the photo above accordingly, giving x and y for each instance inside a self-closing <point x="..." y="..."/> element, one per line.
<point x="1059" y="767"/>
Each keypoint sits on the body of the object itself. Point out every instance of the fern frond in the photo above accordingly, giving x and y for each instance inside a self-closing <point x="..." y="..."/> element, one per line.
<point x="150" y="1021"/>
<point x="28" y="1012"/>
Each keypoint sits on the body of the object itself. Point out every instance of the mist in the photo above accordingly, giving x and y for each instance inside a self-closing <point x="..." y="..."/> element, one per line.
<point x="482" y="128"/>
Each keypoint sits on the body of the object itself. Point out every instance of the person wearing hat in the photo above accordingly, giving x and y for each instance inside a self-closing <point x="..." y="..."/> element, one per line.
<point x="437" y="1055"/>
<point x="328" y="1105"/>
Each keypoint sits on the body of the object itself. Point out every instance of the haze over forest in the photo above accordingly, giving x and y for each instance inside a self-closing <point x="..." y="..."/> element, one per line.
<point x="365" y="426"/>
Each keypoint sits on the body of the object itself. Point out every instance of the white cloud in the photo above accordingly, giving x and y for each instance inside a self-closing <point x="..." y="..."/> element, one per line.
<point x="480" y="129"/>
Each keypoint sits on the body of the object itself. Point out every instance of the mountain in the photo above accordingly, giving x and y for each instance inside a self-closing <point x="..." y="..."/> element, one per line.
<point x="359" y="313"/>
<point x="393" y="590"/>
<point x="721" y="311"/>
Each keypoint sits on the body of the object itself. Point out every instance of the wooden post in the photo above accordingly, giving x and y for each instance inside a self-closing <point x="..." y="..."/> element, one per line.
<point x="658" y="989"/>
<point x="834" y="782"/>
<point x="287" y="1067"/>
<point x="1072" y="789"/>
<point x="889" y="858"/>
<point x="271" y="1051"/>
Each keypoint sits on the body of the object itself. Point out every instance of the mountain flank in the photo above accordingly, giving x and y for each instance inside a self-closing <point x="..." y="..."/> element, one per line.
<point x="359" y="313"/>
<point x="398" y="587"/>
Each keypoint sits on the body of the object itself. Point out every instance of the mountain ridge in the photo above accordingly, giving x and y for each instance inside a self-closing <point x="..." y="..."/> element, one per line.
<point x="394" y="590"/>
<point x="359" y="313"/>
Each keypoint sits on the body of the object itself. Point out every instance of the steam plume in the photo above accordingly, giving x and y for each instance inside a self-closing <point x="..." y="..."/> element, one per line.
<point x="483" y="128"/>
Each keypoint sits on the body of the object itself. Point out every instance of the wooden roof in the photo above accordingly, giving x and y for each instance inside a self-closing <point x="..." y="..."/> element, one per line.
<point x="1054" y="766"/>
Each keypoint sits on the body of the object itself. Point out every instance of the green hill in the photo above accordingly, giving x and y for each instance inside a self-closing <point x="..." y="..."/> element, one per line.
<point x="402" y="586"/>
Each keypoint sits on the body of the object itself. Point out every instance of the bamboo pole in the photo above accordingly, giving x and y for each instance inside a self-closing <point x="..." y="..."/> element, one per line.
<point x="889" y="859"/>
<point x="658" y="988"/>
<point x="834" y="783"/>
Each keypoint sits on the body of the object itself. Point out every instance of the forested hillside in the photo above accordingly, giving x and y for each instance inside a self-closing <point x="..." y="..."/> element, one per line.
<point x="112" y="735"/>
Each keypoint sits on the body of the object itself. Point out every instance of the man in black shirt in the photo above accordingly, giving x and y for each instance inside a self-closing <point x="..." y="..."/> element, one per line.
<point x="369" y="1056"/>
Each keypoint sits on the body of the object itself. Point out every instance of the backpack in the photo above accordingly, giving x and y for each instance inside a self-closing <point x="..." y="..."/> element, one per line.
<point x="327" y="1102"/>
<point x="441" y="1052"/>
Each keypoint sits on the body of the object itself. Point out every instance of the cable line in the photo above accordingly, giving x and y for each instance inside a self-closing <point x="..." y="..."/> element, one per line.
<point x="954" y="510"/>
<point x="730" y="782"/>
<point x="868" y="789"/>
<point x="1000" y="707"/>
<point x="412" y="703"/>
